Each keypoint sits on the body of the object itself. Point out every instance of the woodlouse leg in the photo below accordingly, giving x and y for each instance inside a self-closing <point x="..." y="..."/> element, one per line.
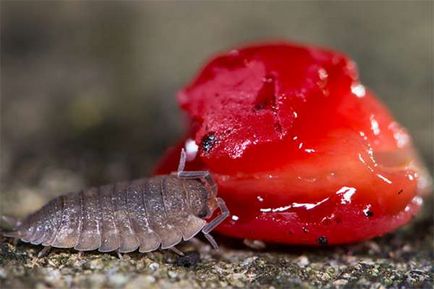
<point x="215" y="222"/>
<point x="15" y="241"/>
<point x="211" y="240"/>
<point x="177" y="251"/>
<point x="220" y="218"/>
<point x="44" y="251"/>
<point x="80" y="254"/>
<point x="120" y="255"/>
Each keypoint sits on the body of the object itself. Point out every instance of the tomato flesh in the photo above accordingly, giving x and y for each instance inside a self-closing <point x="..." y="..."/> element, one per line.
<point x="301" y="151"/>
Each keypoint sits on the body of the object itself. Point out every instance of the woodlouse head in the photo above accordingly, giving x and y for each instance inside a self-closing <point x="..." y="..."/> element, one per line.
<point x="201" y="197"/>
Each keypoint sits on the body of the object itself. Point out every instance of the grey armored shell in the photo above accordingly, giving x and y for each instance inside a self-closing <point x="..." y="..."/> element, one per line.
<point x="144" y="214"/>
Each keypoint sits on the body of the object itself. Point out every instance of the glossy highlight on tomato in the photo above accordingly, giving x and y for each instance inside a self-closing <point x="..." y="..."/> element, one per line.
<point x="302" y="152"/>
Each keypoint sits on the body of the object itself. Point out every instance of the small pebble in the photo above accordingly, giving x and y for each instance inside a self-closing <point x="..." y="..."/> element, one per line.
<point x="407" y="248"/>
<point x="52" y="275"/>
<point x="140" y="282"/>
<point x="302" y="261"/>
<point x="154" y="266"/>
<point x="235" y="280"/>
<point x="248" y="261"/>
<point x="340" y="282"/>
<point x="172" y="274"/>
<point x="3" y="274"/>
<point x="254" y="244"/>
<point x="118" y="280"/>
<point x="373" y="246"/>
<point x="95" y="264"/>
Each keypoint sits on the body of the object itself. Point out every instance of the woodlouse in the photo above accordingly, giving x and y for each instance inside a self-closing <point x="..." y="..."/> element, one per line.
<point x="146" y="214"/>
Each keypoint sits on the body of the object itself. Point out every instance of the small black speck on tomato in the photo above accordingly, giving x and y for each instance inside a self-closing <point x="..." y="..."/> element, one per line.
<point x="208" y="141"/>
<point x="323" y="241"/>
<point x="368" y="213"/>
<point x="190" y="259"/>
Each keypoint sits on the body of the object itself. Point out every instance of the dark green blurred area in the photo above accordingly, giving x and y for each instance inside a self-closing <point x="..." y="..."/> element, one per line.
<point x="88" y="88"/>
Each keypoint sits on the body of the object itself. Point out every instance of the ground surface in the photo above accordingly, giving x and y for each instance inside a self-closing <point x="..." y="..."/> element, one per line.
<point x="399" y="260"/>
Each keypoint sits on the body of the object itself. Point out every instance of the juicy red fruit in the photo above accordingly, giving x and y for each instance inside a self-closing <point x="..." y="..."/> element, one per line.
<point x="301" y="151"/>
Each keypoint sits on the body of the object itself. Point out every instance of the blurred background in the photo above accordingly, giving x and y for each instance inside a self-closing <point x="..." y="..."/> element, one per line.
<point x="88" y="88"/>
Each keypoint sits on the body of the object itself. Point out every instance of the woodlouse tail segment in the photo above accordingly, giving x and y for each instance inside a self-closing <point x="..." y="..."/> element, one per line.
<point x="215" y="222"/>
<point x="9" y="227"/>
<point x="11" y="222"/>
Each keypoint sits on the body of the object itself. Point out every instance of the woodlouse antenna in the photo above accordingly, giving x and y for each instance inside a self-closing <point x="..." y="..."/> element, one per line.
<point x="182" y="159"/>
<point x="204" y="175"/>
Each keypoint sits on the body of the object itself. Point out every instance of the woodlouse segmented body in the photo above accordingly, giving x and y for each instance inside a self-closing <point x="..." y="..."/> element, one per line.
<point x="145" y="214"/>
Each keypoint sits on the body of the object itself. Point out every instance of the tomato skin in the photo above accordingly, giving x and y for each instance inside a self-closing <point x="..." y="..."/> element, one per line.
<point x="301" y="151"/>
<point x="347" y="226"/>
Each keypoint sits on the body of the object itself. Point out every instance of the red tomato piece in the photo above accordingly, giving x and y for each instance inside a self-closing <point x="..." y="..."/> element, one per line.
<point x="302" y="152"/>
